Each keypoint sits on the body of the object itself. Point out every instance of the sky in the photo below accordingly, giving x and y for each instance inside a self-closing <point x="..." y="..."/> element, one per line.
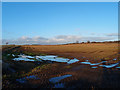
<point x="60" y="0"/>
<point x="58" y="22"/>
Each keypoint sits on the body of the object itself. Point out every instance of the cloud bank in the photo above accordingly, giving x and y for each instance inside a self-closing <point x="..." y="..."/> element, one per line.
<point x="113" y="34"/>
<point x="61" y="39"/>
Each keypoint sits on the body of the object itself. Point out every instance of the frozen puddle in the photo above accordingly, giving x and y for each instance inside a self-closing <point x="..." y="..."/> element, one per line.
<point x="24" y="80"/>
<point x="72" y="61"/>
<point x="23" y="59"/>
<point x="25" y="56"/>
<point x="59" y="85"/>
<point x="92" y="64"/>
<point x="109" y="66"/>
<point x="53" y="58"/>
<point x="114" y="59"/>
<point x="58" y="59"/>
<point x="118" y="67"/>
<point x="97" y="64"/>
<point x="94" y="67"/>
<point x="57" y="79"/>
<point x="47" y="57"/>
<point x="85" y="62"/>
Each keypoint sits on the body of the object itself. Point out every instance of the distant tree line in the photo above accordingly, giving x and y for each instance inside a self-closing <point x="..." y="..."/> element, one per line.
<point x="77" y="42"/>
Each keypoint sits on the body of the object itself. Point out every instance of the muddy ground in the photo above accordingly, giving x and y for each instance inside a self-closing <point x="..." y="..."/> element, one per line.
<point x="83" y="76"/>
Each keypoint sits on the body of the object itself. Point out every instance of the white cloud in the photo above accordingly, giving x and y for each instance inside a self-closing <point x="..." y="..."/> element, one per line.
<point x="61" y="39"/>
<point x="112" y="34"/>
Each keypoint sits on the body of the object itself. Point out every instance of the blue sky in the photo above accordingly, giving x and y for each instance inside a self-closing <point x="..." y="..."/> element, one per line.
<point x="48" y="20"/>
<point x="60" y="0"/>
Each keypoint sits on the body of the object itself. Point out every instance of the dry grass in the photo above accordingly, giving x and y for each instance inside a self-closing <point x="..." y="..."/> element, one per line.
<point x="90" y="51"/>
<point x="83" y="76"/>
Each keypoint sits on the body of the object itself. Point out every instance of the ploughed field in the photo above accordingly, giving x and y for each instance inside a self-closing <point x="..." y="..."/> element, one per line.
<point x="93" y="65"/>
